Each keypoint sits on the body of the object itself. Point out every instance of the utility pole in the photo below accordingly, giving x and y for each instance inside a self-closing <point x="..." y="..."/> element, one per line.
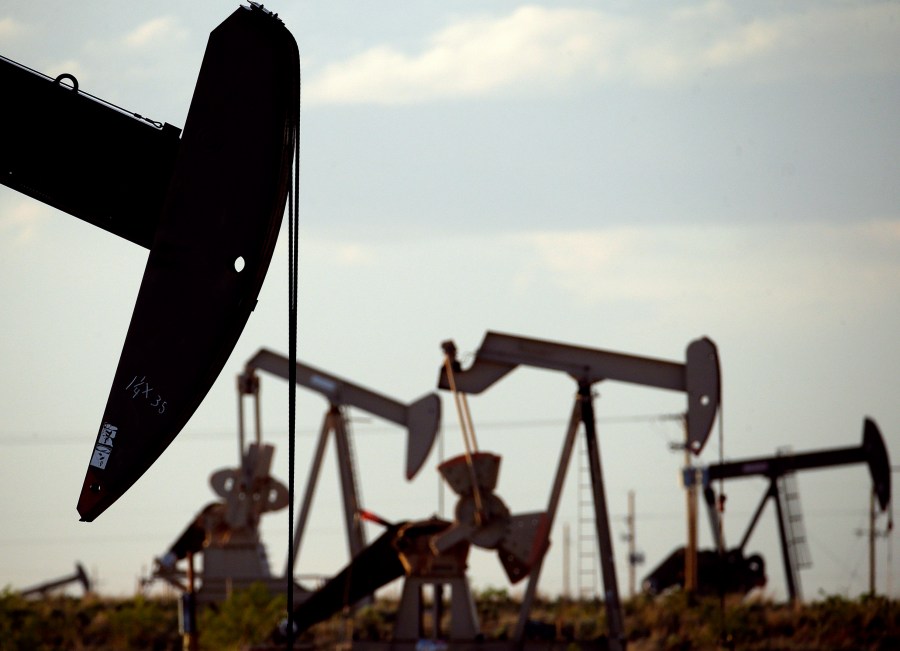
<point x="632" y="555"/>
<point x="566" y="545"/>
<point x="872" y="535"/>
<point x="635" y="557"/>
<point x="690" y="552"/>
<point x="188" y="612"/>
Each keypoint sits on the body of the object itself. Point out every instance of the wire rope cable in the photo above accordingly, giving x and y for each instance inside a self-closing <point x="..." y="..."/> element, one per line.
<point x="468" y="434"/>
<point x="293" y="277"/>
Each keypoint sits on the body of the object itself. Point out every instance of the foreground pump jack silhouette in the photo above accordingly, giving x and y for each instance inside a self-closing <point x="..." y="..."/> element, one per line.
<point x="208" y="205"/>
<point x="872" y="451"/>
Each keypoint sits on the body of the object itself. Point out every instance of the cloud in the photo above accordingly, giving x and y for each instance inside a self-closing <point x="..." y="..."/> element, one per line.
<point x="20" y="220"/>
<point x="10" y="28"/>
<point x="770" y="267"/>
<point x="882" y="231"/>
<point x="69" y="66"/>
<point x="470" y="57"/>
<point x="158" y="32"/>
<point x="332" y="253"/>
<point x="353" y="255"/>
<point x="537" y="49"/>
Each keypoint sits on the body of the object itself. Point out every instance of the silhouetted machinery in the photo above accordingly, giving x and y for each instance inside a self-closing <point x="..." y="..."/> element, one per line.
<point x="207" y="202"/>
<point x="698" y="378"/>
<point x="80" y="577"/>
<point x="226" y="532"/>
<point x="420" y="418"/>
<point x="432" y="554"/>
<point x="433" y="551"/>
<point x="730" y="570"/>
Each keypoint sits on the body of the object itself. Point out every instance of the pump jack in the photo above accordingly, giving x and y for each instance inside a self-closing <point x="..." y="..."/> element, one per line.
<point x="207" y="202"/>
<point x="433" y="551"/>
<point x="433" y="554"/>
<point x="421" y="419"/>
<point x="698" y="377"/>
<point x="80" y="576"/>
<point x="227" y="532"/>
<point x="872" y="451"/>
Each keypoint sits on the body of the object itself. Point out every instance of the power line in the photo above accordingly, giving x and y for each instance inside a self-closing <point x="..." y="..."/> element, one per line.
<point x="367" y="428"/>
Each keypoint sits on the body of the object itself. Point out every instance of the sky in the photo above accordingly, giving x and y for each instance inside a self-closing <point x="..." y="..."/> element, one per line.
<point x="625" y="176"/>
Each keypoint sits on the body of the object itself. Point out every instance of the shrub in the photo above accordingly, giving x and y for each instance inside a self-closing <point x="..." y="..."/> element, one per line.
<point x="247" y="617"/>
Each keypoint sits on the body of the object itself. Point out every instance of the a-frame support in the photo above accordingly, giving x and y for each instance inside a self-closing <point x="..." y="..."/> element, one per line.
<point x="791" y="576"/>
<point x="582" y="415"/>
<point x="334" y="422"/>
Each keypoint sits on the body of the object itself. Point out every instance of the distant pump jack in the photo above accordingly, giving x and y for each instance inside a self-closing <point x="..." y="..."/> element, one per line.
<point x="698" y="378"/>
<point x="872" y="451"/>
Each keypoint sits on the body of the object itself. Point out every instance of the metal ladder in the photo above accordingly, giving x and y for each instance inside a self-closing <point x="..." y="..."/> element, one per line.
<point x="586" y="532"/>
<point x="792" y="522"/>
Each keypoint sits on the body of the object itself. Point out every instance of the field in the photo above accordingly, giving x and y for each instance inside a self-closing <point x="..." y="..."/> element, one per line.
<point x="671" y="622"/>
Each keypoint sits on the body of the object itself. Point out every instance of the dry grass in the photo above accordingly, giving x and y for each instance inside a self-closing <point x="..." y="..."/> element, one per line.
<point x="668" y="623"/>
